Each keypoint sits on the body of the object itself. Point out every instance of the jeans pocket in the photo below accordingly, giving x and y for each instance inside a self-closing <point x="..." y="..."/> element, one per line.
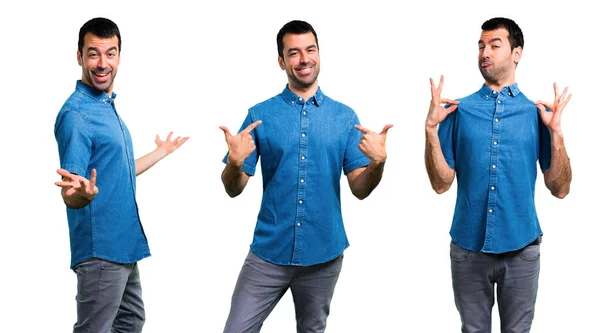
<point x="457" y="253"/>
<point x="530" y="253"/>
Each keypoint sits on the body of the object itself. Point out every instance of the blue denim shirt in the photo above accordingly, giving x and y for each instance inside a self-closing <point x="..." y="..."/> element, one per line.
<point x="493" y="142"/>
<point x="304" y="145"/>
<point x="91" y="135"/>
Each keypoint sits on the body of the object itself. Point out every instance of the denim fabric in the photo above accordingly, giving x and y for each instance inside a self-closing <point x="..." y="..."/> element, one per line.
<point x="515" y="275"/>
<point x="109" y="297"/>
<point x="493" y="142"/>
<point x="304" y="145"/>
<point x="261" y="285"/>
<point x="91" y="135"/>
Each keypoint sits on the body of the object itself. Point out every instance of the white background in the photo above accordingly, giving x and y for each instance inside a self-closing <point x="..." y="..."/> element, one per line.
<point x="193" y="68"/>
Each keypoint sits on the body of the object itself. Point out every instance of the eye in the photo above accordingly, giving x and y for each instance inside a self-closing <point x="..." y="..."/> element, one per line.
<point x="92" y="54"/>
<point x="291" y="54"/>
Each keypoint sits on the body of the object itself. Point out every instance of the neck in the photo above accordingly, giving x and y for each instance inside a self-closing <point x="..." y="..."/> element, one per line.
<point x="305" y="92"/>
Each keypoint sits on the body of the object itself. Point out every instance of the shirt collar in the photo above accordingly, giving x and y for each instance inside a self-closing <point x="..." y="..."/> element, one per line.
<point x="291" y="98"/>
<point x="512" y="91"/>
<point x="94" y="93"/>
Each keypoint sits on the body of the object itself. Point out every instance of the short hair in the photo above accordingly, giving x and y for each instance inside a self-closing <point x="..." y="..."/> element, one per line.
<point x="294" y="27"/>
<point x="515" y="35"/>
<point x="101" y="27"/>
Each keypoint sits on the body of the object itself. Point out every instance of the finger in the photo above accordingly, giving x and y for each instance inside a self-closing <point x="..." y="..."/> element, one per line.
<point x="64" y="173"/>
<point x="93" y="178"/>
<point x="562" y="96"/>
<point x="182" y="141"/>
<point x="169" y="137"/>
<point x="63" y="184"/>
<point x="449" y="101"/>
<point x="226" y="131"/>
<point x="451" y="108"/>
<point x="362" y="129"/>
<point x="439" y="89"/>
<point x="252" y="126"/>
<point x="386" y="128"/>
<point x="555" y="89"/>
<point x="432" y="86"/>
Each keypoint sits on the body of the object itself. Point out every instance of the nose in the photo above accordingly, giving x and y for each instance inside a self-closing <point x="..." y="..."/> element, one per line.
<point x="102" y="62"/>
<point x="303" y="57"/>
<point x="485" y="52"/>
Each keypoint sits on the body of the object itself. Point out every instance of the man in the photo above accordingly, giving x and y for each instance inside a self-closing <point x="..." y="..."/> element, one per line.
<point x="98" y="187"/>
<point x="305" y="140"/>
<point x="492" y="140"/>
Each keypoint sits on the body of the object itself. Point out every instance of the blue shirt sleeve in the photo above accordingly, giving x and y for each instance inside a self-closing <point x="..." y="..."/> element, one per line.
<point x="545" y="145"/>
<point x="446" y="135"/>
<point x="249" y="165"/>
<point x="353" y="157"/>
<point x="74" y="137"/>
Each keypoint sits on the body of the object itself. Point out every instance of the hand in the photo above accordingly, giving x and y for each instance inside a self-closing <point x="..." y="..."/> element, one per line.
<point x="169" y="146"/>
<point x="78" y="186"/>
<point x="240" y="145"/>
<point x="372" y="144"/>
<point x="437" y="112"/>
<point x="552" y="118"/>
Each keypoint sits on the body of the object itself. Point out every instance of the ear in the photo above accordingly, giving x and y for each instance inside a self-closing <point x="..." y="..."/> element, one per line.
<point x="516" y="54"/>
<point x="281" y="62"/>
<point x="79" y="59"/>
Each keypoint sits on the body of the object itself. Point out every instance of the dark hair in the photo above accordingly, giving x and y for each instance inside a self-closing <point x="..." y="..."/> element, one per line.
<point x="294" y="27"/>
<point x="515" y="35"/>
<point x="101" y="27"/>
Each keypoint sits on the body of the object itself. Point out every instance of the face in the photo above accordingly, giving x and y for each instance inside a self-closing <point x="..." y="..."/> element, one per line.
<point x="496" y="60"/>
<point x="300" y="60"/>
<point x="99" y="61"/>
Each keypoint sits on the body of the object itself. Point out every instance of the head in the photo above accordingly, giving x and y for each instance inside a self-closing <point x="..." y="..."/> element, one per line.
<point x="298" y="49"/>
<point x="98" y="53"/>
<point x="500" y="50"/>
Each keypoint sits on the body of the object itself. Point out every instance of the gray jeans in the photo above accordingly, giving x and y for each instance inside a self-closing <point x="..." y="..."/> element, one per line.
<point x="515" y="274"/>
<point x="261" y="285"/>
<point x="109" y="297"/>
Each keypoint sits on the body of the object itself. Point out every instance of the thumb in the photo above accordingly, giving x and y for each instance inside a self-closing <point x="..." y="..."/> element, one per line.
<point x="386" y="129"/>
<point x="226" y="131"/>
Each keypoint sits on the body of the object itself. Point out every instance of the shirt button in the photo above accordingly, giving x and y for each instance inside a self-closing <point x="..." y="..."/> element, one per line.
<point x="303" y="135"/>
<point x="493" y="188"/>
<point x="496" y="119"/>
<point x="495" y="143"/>
<point x="491" y="210"/>
<point x="302" y="157"/>
<point x="300" y="201"/>
<point x="299" y="224"/>
<point x="499" y="101"/>
<point x="302" y="180"/>
<point x="300" y="99"/>
<point x="493" y="166"/>
<point x="304" y="113"/>
<point x="494" y="92"/>
<point x="293" y="102"/>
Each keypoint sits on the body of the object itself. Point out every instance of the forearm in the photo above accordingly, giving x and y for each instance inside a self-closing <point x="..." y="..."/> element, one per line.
<point x="558" y="177"/>
<point x="234" y="179"/>
<point x="147" y="161"/>
<point x="440" y="174"/>
<point x="367" y="181"/>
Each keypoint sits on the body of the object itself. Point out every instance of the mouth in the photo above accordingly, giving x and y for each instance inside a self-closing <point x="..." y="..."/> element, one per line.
<point x="304" y="70"/>
<point x="485" y="64"/>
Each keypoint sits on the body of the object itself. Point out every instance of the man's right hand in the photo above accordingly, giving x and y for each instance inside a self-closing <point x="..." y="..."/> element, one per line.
<point x="75" y="188"/>
<point x="437" y="112"/>
<point x="240" y="145"/>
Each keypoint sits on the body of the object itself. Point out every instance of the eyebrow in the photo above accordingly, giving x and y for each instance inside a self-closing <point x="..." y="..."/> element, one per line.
<point x="496" y="39"/>
<point x="298" y="48"/>
<point x="91" y="48"/>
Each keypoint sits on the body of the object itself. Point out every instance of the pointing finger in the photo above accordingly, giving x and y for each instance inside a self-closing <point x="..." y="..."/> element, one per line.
<point x="362" y="129"/>
<point x="252" y="126"/>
